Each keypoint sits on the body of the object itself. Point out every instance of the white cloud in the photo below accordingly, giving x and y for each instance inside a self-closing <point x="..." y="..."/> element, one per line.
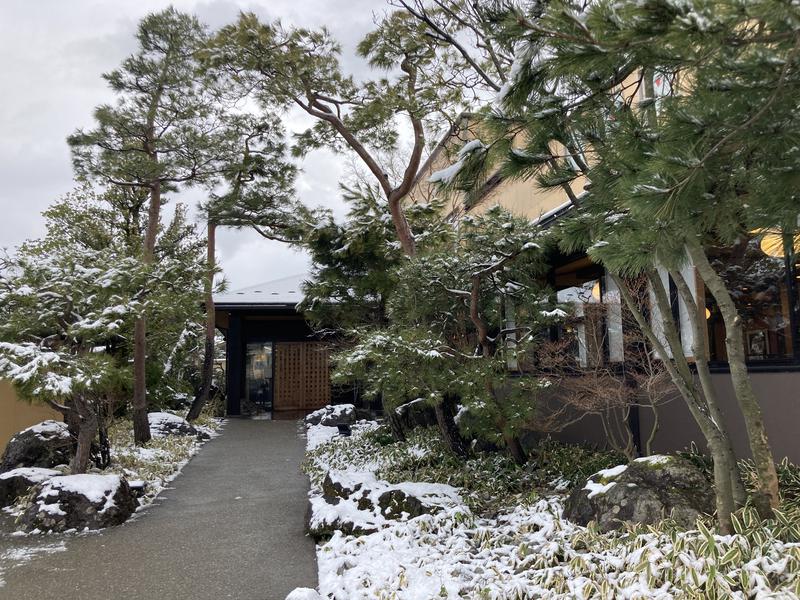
<point x="54" y="53"/>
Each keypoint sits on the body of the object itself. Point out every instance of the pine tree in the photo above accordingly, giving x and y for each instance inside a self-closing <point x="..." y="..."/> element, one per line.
<point x="257" y="193"/>
<point x="82" y="298"/>
<point x="700" y="162"/>
<point x="450" y="340"/>
<point x="291" y="67"/>
<point x="162" y="133"/>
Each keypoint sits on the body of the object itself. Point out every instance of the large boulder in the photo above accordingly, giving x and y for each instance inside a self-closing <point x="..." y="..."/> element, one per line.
<point x="44" y="445"/>
<point x="356" y="503"/>
<point x="396" y="503"/>
<point x="79" y="502"/>
<point x="333" y="415"/>
<point x="646" y="491"/>
<point x="18" y="482"/>
<point x="163" y="424"/>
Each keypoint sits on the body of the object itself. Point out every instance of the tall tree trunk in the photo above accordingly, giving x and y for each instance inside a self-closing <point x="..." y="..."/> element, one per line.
<point x="701" y="359"/>
<point x="743" y="389"/>
<point x="515" y="449"/>
<point x="395" y="425"/>
<point x="211" y="329"/>
<point x="448" y="428"/>
<point x="695" y="403"/>
<point x="141" y="426"/>
<point x="86" y="434"/>
<point x="401" y="227"/>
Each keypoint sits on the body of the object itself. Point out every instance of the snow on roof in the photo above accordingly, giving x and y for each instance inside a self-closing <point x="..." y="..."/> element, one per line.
<point x="287" y="290"/>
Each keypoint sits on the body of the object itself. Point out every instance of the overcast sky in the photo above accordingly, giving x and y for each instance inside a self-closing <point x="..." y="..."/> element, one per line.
<point x="52" y="54"/>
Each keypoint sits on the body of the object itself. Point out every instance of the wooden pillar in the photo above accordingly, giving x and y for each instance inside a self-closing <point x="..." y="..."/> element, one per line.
<point x="235" y="365"/>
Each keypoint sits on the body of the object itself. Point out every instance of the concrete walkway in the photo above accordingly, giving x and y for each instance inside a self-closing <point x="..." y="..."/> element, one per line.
<point x="232" y="527"/>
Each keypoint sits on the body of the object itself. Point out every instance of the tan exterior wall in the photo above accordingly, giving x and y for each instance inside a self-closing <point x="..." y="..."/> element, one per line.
<point x="524" y="198"/>
<point x="16" y="414"/>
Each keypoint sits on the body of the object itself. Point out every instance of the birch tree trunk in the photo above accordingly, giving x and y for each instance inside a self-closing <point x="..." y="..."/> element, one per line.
<point x="743" y="389"/>
<point x="723" y="491"/>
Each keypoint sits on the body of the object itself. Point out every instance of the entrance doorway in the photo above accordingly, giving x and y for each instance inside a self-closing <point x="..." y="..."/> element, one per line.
<point x="259" y="377"/>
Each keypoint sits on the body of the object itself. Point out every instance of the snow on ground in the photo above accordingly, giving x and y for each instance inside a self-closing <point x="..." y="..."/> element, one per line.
<point x="16" y="556"/>
<point x="324" y="514"/>
<point x="529" y="551"/>
<point x="316" y="435"/>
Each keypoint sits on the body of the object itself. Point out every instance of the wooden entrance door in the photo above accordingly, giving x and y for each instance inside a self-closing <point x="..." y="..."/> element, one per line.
<point x="302" y="378"/>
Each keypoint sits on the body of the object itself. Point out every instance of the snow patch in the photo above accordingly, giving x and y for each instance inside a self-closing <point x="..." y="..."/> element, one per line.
<point x="96" y="488"/>
<point x="596" y="489"/>
<point x="656" y="459"/>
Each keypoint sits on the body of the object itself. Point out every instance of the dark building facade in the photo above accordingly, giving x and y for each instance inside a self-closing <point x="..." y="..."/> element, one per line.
<point x="275" y="364"/>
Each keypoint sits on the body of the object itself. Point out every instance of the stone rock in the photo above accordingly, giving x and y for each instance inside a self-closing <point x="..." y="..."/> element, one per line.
<point x="163" y="424"/>
<point x="138" y="488"/>
<point x="356" y="503"/>
<point x="44" y="445"/>
<point x="646" y="491"/>
<point x="395" y="503"/>
<point x="79" y="502"/>
<point x="336" y="490"/>
<point x="18" y="482"/>
<point x="332" y="415"/>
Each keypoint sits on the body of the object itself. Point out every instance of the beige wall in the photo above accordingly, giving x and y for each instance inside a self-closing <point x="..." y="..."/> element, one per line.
<point x="16" y="414"/>
<point x="523" y="198"/>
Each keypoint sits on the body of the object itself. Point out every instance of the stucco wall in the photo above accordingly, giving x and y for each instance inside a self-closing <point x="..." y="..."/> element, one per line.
<point x="16" y="414"/>
<point x="777" y="393"/>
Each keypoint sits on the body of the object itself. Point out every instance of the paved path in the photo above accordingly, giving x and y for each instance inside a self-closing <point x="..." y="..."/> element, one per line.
<point x="232" y="527"/>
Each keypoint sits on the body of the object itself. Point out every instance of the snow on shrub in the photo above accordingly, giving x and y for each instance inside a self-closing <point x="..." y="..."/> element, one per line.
<point x="527" y="550"/>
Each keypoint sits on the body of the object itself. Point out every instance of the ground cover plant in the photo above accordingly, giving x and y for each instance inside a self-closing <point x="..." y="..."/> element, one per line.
<point x="521" y="547"/>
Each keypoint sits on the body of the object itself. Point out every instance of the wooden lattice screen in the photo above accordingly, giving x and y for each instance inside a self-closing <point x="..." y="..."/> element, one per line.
<point x="302" y="378"/>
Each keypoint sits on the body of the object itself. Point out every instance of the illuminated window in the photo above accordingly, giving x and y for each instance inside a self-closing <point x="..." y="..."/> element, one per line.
<point x="762" y="281"/>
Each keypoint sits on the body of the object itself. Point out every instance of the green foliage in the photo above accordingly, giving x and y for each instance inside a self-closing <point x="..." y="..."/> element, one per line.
<point x="353" y="264"/>
<point x="680" y="114"/>
<point x="59" y="313"/>
<point x="788" y="475"/>
<point x="563" y="465"/>
<point x="259" y="181"/>
<point x="429" y="349"/>
<point x="70" y="299"/>
<point x="286" y="66"/>
<point x="165" y="125"/>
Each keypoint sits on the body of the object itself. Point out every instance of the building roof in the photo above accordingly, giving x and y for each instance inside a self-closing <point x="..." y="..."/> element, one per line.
<point x="279" y="293"/>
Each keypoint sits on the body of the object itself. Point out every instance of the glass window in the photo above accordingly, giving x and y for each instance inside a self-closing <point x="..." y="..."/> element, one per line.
<point x="258" y="374"/>
<point x="762" y="282"/>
